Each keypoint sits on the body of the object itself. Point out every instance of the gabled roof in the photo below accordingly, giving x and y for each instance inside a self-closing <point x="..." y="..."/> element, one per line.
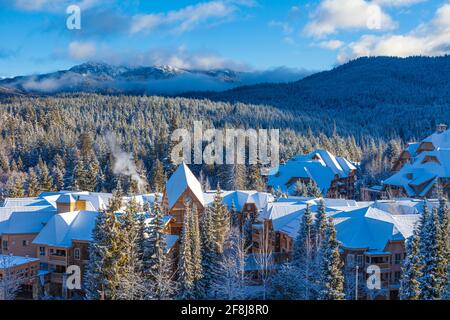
<point x="65" y="198"/>
<point x="371" y="228"/>
<point x="182" y="179"/>
<point x="66" y="227"/>
<point x="24" y="220"/>
<point x="240" y="198"/>
<point x="320" y="166"/>
<point x="418" y="177"/>
<point x="24" y="202"/>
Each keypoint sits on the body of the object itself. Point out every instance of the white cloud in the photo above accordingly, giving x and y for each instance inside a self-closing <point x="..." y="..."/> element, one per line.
<point x="82" y="50"/>
<point x="188" y="17"/>
<point x="398" y="3"/>
<point x="331" y="44"/>
<point x="54" y="5"/>
<point x="430" y="39"/>
<point x="334" y="15"/>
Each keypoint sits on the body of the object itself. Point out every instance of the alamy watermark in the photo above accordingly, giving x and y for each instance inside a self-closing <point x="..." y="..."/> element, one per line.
<point x="73" y="22"/>
<point x="227" y="146"/>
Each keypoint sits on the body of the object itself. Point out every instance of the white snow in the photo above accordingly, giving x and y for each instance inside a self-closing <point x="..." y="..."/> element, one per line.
<point x="320" y="166"/>
<point x="64" y="228"/>
<point x="24" y="220"/>
<point x="7" y="261"/>
<point x="419" y="176"/>
<point x="182" y="179"/>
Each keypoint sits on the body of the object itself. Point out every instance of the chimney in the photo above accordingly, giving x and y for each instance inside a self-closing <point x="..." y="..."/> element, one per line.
<point x="440" y="128"/>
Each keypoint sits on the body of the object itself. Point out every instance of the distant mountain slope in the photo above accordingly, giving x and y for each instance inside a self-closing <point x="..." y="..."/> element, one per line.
<point x="105" y="78"/>
<point x="364" y="83"/>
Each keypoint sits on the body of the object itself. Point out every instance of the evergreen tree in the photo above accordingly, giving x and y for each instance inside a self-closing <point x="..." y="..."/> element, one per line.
<point x="312" y="190"/>
<point x="16" y="187"/>
<point x="300" y="189"/>
<point x="130" y="263"/>
<point x="320" y="224"/>
<point x="220" y="220"/>
<point x="255" y="179"/>
<point x="158" y="263"/>
<point x="102" y="272"/>
<point x="410" y="285"/>
<point x="46" y="179"/>
<point x="159" y="177"/>
<point x="210" y="258"/>
<point x="303" y="255"/>
<point x="186" y="276"/>
<point x="331" y="282"/>
<point x="431" y="286"/>
<point x="444" y="247"/>
<point x="32" y="183"/>
<point x="196" y="252"/>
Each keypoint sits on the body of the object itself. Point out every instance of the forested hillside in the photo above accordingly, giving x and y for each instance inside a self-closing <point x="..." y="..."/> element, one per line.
<point x="74" y="141"/>
<point x="379" y="96"/>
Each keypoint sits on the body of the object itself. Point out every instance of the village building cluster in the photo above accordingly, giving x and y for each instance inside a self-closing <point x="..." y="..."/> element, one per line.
<point x="41" y="237"/>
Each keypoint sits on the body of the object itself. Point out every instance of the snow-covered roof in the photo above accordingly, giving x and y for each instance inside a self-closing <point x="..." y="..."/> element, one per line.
<point x="370" y="228"/>
<point x="66" y="227"/>
<point x="65" y="198"/>
<point x="24" y="202"/>
<point x="9" y="261"/>
<point x="24" y="220"/>
<point x="320" y="166"/>
<point x="419" y="176"/>
<point x="359" y="225"/>
<point x="182" y="179"/>
<point x="240" y="198"/>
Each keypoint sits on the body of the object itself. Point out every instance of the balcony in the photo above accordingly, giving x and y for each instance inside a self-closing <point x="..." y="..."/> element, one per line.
<point x="58" y="260"/>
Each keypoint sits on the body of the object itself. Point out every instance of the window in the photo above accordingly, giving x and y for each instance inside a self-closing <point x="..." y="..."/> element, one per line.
<point x="25" y="243"/>
<point x="397" y="276"/>
<point x="5" y="245"/>
<point x="42" y="251"/>
<point x="76" y="253"/>
<point x="398" y="258"/>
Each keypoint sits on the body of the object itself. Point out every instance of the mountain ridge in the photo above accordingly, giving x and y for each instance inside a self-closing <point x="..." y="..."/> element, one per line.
<point x="100" y="77"/>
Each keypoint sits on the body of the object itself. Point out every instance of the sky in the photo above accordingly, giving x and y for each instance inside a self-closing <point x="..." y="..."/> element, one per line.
<point x="241" y="35"/>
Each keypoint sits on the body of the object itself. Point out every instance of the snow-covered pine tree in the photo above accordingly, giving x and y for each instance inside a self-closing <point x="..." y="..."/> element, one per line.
<point x="220" y="220"/>
<point x="185" y="261"/>
<point x="159" y="177"/>
<point x="285" y="284"/>
<point x="409" y="284"/>
<point x="331" y="284"/>
<point x="312" y="190"/>
<point x="131" y="286"/>
<point x="255" y="179"/>
<point x="32" y="183"/>
<point x="158" y="263"/>
<point x="46" y="180"/>
<point x="431" y="286"/>
<point x="300" y="189"/>
<point x="102" y="272"/>
<point x="320" y="223"/>
<point x="210" y="258"/>
<point x="304" y="253"/>
<point x="444" y="248"/>
<point x="196" y="252"/>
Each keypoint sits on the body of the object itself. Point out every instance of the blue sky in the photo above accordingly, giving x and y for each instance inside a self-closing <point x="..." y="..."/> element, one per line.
<point x="237" y="34"/>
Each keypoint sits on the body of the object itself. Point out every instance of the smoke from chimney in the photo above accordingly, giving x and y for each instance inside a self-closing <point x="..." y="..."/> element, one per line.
<point x="123" y="161"/>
